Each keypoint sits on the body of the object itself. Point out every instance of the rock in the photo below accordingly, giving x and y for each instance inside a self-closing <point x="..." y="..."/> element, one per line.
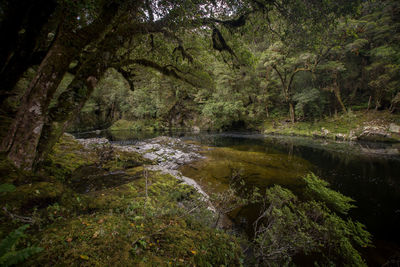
<point x="376" y="134"/>
<point x="168" y="153"/>
<point x="324" y="131"/>
<point x="195" y="129"/>
<point x="93" y="142"/>
<point x="352" y="136"/>
<point x="394" y="128"/>
<point x="340" y="136"/>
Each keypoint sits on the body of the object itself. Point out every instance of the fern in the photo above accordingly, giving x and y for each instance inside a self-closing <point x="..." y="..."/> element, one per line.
<point x="8" y="255"/>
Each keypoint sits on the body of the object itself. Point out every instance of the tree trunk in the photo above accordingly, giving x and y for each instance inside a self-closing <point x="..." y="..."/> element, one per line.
<point x="72" y="100"/>
<point x="69" y="104"/>
<point x="336" y="91"/>
<point x="369" y="103"/>
<point x="291" y="112"/>
<point x="22" y="139"/>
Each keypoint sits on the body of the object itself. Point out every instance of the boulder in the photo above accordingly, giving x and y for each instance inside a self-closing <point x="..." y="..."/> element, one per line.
<point x="394" y="128"/>
<point x="340" y="136"/>
<point x="376" y="134"/>
<point x="195" y="129"/>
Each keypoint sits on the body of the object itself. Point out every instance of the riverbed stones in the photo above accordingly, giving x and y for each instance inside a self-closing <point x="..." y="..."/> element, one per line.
<point x="167" y="153"/>
<point x="90" y="142"/>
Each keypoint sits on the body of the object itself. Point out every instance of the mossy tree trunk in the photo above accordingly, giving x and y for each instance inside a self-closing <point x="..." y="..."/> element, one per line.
<point x="291" y="112"/>
<point x="336" y="91"/>
<point x="21" y="141"/>
<point x="72" y="100"/>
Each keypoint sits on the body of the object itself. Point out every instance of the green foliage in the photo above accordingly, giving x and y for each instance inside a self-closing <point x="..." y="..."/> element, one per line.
<point x="318" y="64"/>
<point x="223" y="114"/>
<point x="317" y="189"/>
<point x="9" y="255"/>
<point x="309" y="103"/>
<point x="288" y="226"/>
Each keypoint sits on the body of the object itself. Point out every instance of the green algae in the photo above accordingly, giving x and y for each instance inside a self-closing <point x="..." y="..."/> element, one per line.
<point x="256" y="168"/>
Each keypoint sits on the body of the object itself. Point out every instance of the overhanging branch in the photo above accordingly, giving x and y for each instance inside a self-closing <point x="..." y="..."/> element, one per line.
<point x="166" y="70"/>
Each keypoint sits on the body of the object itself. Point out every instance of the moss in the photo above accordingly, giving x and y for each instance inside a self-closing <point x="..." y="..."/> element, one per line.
<point x="70" y="154"/>
<point x="9" y="173"/>
<point x="126" y="228"/>
<point x="126" y="160"/>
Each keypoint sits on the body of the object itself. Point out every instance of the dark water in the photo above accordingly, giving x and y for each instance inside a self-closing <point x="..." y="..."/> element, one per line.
<point x="367" y="172"/>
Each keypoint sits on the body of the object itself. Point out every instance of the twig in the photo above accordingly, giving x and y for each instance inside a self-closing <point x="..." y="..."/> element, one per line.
<point x="18" y="217"/>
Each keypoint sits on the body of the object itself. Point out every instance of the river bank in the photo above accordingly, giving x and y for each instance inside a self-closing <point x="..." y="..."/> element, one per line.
<point x="373" y="126"/>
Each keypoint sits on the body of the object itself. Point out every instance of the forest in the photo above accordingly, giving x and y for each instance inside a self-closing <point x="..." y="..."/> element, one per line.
<point x="321" y="69"/>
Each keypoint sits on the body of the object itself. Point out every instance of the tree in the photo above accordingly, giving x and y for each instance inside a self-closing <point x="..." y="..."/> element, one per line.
<point x="279" y="59"/>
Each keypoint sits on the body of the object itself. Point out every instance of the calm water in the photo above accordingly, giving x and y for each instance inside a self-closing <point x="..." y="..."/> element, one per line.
<point x="369" y="173"/>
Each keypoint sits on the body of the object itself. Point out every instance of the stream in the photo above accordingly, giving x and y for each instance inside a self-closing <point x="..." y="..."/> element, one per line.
<point x="367" y="172"/>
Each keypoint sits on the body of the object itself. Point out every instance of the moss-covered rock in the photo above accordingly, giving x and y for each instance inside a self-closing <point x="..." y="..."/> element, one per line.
<point x="28" y="196"/>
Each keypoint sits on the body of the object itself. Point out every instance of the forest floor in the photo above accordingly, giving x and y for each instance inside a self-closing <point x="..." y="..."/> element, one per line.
<point x="361" y="125"/>
<point x="95" y="205"/>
